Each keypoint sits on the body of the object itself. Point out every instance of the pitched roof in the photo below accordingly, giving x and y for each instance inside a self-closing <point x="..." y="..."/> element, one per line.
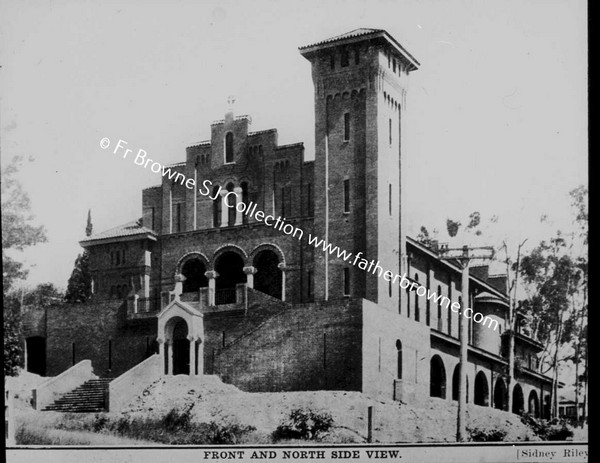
<point x="348" y="35"/>
<point x="126" y="230"/>
<point x="361" y="34"/>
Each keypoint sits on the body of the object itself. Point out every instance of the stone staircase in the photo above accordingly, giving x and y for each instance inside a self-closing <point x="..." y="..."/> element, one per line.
<point x="87" y="398"/>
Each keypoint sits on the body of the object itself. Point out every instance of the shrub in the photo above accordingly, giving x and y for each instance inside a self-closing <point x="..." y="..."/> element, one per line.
<point x="556" y="429"/>
<point x="304" y="424"/>
<point x="486" y="435"/>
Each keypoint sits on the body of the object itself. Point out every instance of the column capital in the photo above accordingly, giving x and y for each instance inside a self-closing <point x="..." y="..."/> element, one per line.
<point x="160" y="340"/>
<point x="250" y="270"/>
<point x="211" y="274"/>
<point x="281" y="266"/>
<point x="180" y="278"/>
<point x="237" y="189"/>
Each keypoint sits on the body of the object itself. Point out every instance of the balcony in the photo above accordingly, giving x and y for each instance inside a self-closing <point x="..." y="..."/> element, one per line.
<point x="139" y="308"/>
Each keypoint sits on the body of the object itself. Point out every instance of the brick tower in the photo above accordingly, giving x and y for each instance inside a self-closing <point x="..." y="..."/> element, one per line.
<point x="360" y="81"/>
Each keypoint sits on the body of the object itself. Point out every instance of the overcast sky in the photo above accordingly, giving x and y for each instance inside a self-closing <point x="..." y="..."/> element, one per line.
<point x="497" y="111"/>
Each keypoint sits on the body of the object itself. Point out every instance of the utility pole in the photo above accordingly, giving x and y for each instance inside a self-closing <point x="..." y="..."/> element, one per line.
<point x="463" y="256"/>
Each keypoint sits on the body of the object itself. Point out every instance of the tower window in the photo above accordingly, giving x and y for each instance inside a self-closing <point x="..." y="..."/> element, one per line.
<point x="399" y="358"/>
<point x="345" y="58"/>
<point x="153" y="218"/>
<point x="229" y="147"/>
<point x="309" y="288"/>
<point x="390" y="130"/>
<point x="390" y="198"/>
<point x="346" y="195"/>
<point x="309" y="200"/>
<point x="394" y="66"/>
<point x="356" y="56"/>
<point x="346" y="281"/>
<point x="439" y="309"/>
<point x="178" y="218"/>
<point x="346" y="126"/>
<point x="245" y="200"/>
<point x="216" y="207"/>
<point x="283" y="198"/>
<point x="389" y="288"/>
<point x="417" y="311"/>
<point x="332" y="61"/>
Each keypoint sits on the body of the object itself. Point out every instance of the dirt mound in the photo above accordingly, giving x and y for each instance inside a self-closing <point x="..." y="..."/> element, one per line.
<point x="22" y="386"/>
<point x="209" y="399"/>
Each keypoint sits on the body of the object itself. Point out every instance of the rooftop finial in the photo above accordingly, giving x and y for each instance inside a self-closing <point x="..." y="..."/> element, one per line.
<point x="230" y="103"/>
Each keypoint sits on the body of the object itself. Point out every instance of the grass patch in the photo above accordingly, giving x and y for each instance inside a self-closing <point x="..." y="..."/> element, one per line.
<point x="174" y="428"/>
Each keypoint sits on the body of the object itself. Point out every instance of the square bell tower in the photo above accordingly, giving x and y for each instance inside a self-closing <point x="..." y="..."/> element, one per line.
<point x="360" y="80"/>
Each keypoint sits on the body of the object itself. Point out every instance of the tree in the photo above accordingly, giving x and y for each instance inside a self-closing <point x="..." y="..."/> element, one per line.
<point x="79" y="287"/>
<point x="551" y="279"/>
<point x="424" y="238"/>
<point x="18" y="232"/>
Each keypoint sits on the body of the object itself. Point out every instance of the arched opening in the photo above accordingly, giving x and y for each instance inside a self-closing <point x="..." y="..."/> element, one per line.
<point x="268" y="276"/>
<point x="482" y="391"/>
<point x="534" y="404"/>
<point x="455" y="383"/>
<point x="181" y="347"/>
<point x="500" y="395"/>
<point x="36" y="355"/>
<point x="193" y="270"/>
<point x="230" y="267"/>
<point x="399" y="358"/>
<point x="229" y="147"/>
<point x="437" y="378"/>
<point x="518" y="402"/>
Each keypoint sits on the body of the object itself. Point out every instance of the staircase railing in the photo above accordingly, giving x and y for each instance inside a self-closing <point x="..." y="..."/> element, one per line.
<point x="132" y="383"/>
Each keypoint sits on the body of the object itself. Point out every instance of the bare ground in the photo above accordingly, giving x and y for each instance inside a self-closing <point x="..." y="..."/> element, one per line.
<point x="212" y="400"/>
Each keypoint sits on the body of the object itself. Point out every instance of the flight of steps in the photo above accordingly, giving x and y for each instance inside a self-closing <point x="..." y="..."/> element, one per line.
<point x="87" y="398"/>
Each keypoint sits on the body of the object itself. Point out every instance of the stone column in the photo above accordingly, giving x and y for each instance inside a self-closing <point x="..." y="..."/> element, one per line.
<point x="250" y="271"/>
<point x="192" y="355"/>
<point x="161" y="354"/>
<point x="281" y="266"/>
<point x="170" y="358"/>
<point x="238" y="214"/>
<point x="212" y="280"/>
<point x="224" y="209"/>
<point x="200" y="359"/>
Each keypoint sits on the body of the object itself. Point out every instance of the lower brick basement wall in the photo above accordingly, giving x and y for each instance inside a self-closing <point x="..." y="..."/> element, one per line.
<point x="90" y="327"/>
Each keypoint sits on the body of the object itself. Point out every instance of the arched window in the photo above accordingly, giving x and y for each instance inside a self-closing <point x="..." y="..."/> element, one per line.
<point x="437" y="378"/>
<point x="229" y="147"/>
<point x="216" y="206"/>
<point x="399" y="358"/>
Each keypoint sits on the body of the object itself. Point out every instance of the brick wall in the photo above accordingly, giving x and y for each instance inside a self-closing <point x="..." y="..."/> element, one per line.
<point x="90" y="327"/>
<point x="308" y="347"/>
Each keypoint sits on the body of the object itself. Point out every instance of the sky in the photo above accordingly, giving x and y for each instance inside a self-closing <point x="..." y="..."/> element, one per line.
<point x="497" y="112"/>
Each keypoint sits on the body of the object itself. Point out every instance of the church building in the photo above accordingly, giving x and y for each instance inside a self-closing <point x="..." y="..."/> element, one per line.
<point x="199" y="287"/>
